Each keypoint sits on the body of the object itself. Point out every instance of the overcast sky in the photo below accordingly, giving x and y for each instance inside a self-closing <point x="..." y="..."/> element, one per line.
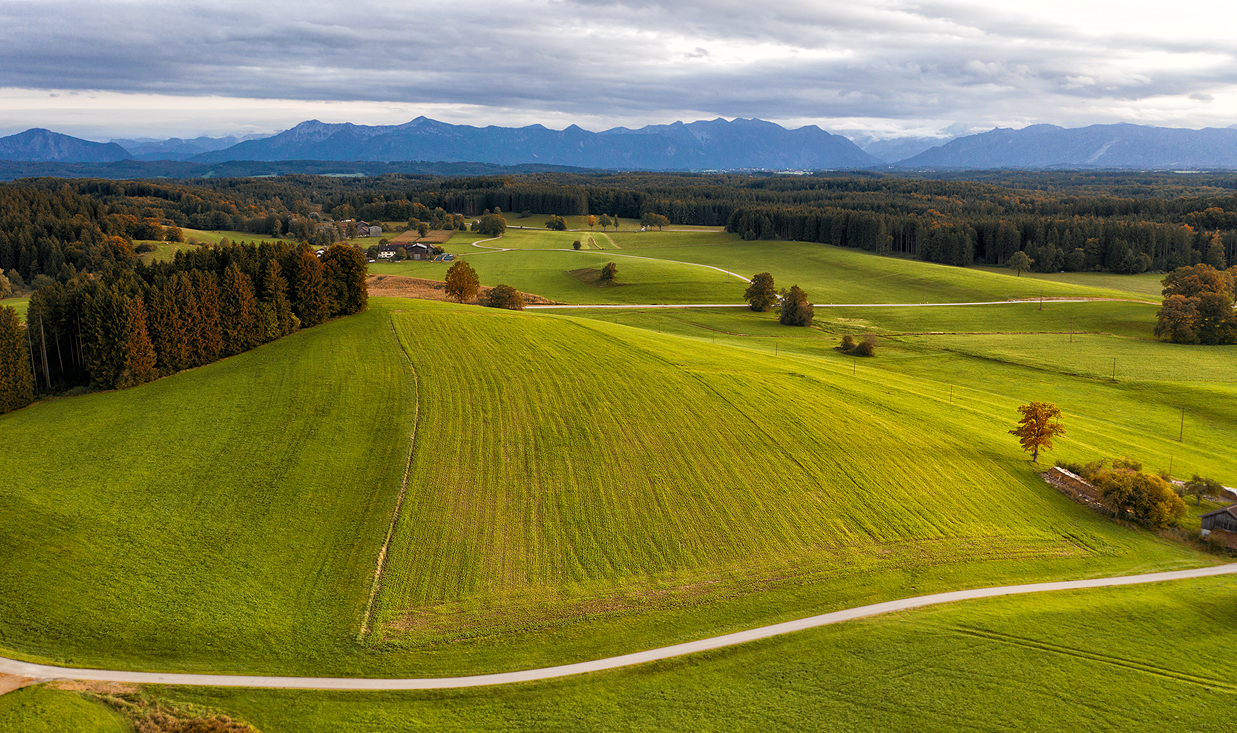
<point x="157" y="68"/>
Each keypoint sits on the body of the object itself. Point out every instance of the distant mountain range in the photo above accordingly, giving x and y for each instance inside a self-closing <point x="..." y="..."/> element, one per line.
<point x="1122" y="146"/>
<point x="715" y="144"/>
<point x="177" y="149"/>
<point x="704" y="145"/>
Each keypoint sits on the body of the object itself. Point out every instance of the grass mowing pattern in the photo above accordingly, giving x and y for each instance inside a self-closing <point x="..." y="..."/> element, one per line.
<point x="232" y="513"/>
<point x="599" y="469"/>
<point x="1140" y="658"/>
<point x="1138" y="415"/>
<point x="43" y="710"/>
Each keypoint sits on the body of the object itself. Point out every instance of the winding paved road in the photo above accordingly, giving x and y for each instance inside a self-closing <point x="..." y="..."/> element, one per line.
<point x="44" y="672"/>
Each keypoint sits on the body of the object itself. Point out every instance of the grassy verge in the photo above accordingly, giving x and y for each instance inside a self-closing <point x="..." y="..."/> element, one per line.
<point x="1139" y="658"/>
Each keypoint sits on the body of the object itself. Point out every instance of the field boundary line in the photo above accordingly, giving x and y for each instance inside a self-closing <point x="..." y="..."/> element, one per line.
<point x="46" y="672"/>
<point x="380" y="566"/>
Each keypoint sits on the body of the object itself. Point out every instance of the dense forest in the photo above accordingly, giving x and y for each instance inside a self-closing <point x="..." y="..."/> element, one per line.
<point x="130" y="323"/>
<point x="58" y="228"/>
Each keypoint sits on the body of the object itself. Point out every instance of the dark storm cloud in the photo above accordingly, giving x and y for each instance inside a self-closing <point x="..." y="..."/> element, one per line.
<point x="727" y="57"/>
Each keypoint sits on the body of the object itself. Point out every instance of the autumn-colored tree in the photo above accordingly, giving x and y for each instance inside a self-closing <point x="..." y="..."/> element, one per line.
<point x="796" y="309"/>
<point x="462" y="282"/>
<point x="1197" y="307"/>
<point x="139" y="353"/>
<point x="1020" y="263"/>
<point x="654" y="220"/>
<point x="16" y="377"/>
<point x="592" y="220"/>
<point x="1177" y="320"/>
<point x="1040" y="423"/>
<point x="609" y="272"/>
<point x="504" y="296"/>
<point x="760" y="294"/>
<point x="6" y="288"/>
<point x="345" y="270"/>
<point x="1144" y="496"/>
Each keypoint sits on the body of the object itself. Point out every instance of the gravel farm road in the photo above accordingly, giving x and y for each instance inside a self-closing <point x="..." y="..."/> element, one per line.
<point x="44" y="672"/>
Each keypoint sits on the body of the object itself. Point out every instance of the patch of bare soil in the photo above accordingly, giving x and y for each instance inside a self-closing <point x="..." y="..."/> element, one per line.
<point x="9" y="682"/>
<point x="435" y="237"/>
<point x="398" y="286"/>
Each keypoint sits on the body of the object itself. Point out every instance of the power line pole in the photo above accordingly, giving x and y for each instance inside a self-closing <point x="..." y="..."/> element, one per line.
<point x="1181" y="435"/>
<point x="1114" y="370"/>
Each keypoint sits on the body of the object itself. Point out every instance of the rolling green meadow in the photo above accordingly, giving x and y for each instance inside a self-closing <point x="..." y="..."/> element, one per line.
<point x="575" y="484"/>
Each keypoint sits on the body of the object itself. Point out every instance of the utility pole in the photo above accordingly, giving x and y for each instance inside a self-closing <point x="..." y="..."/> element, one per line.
<point x="1071" y="332"/>
<point x="1041" y="299"/>
<point x="854" y="362"/>
<point x="1170" y="466"/>
<point x="1114" y="369"/>
<point x="1181" y="435"/>
<point x="951" y="394"/>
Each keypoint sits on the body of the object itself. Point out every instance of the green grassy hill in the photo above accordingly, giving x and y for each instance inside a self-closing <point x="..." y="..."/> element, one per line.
<point x="595" y="487"/>
<point x="687" y="267"/>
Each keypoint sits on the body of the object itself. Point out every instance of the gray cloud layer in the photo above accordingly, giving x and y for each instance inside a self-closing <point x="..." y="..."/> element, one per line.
<point x="887" y="64"/>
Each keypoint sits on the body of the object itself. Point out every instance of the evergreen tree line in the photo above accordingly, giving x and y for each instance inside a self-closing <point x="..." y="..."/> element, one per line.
<point x="1077" y="244"/>
<point x="129" y="325"/>
<point x="1061" y="221"/>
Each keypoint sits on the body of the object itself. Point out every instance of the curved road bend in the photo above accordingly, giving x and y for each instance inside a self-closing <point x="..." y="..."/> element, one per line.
<point x="43" y="672"/>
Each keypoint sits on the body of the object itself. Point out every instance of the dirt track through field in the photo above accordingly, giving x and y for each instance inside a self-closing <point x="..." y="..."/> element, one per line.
<point x="44" y="672"/>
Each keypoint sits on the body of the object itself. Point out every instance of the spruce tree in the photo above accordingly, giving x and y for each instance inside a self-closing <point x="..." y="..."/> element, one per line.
<point x="167" y="333"/>
<point x="346" y="271"/>
<point x="139" y="353"/>
<point x="239" y="319"/>
<point x="185" y="298"/>
<point x="275" y="298"/>
<point x="310" y="300"/>
<point x="210" y="335"/>
<point x="16" y="379"/>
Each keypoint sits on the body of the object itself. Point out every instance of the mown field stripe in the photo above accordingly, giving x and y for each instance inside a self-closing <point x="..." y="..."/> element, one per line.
<point x="380" y="565"/>
<point x="44" y="672"/>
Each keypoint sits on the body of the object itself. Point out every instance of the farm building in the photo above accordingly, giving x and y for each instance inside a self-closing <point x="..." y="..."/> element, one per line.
<point x="1225" y="519"/>
<point x="417" y="251"/>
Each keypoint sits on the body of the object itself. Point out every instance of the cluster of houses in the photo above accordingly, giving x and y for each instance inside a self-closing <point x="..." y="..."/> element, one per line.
<point x="416" y="251"/>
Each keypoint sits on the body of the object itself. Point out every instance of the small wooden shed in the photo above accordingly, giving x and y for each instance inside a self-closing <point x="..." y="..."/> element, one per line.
<point x="1225" y="519"/>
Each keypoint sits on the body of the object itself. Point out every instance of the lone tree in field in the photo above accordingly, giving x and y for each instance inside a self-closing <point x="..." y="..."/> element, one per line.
<point x="761" y="294"/>
<point x="609" y="272"/>
<point x="504" y="296"/>
<point x="796" y="309"/>
<point x="592" y="220"/>
<point x="575" y="244"/>
<point x="462" y="282"/>
<point x="556" y="223"/>
<point x="1040" y="423"/>
<point x="604" y="221"/>
<point x="1020" y="263"/>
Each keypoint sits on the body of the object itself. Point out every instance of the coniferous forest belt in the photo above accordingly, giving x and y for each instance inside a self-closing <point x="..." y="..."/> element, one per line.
<point x="128" y="323"/>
